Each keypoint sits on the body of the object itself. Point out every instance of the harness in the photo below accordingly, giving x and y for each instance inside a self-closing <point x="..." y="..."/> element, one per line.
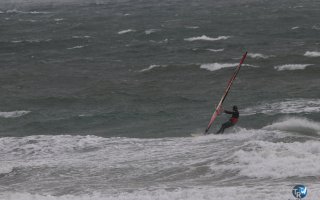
<point x="234" y="120"/>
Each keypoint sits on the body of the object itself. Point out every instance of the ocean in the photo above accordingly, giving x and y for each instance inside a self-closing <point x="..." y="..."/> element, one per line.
<point x="101" y="99"/>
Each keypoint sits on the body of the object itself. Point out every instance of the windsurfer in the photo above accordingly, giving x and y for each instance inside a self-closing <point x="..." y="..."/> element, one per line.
<point x="232" y="121"/>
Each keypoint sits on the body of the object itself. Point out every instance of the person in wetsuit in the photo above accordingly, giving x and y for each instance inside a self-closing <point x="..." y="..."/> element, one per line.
<point x="232" y="121"/>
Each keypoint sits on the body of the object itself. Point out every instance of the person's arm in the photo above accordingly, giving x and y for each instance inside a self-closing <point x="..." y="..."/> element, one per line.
<point x="228" y="112"/>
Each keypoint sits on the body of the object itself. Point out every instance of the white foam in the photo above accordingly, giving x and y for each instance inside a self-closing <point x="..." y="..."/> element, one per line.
<point x="218" y="66"/>
<point x="152" y="67"/>
<point x="215" y="50"/>
<point x="81" y="37"/>
<point x="28" y="12"/>
<point x="261" y="159"/>
<point x="28" y="20"/>
<point x="206" y="38"/>
<point x="76" y="47"/>
<point x="312" y="54"/>
<point x="240" y="192"/>
<point x="242" y="134"/>
<point x="165" y="41"/>
<point x="296" y="124"/>
<point x="316" y="27"/>
<point x="32" y="41"/>
<point x="126" y="31"/>
<point x="257" y="55"/>
<point x="285" y="107"/>
<point x="192" y="27"/>
<point x="58" y="19"/>
<point x="150" y="31"/>
<point x="16" y="41"/>
<point x="14" y="114"/>
<point x="5" y="168"/>
<point x="291" y="67"/>
<point x="154" y="168"/>
<point x="294" y="28"/>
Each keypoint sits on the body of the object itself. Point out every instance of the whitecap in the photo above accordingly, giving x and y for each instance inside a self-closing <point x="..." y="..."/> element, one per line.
<point x="16" y="41"/>
<point x="13" y="114"/>
<point x="126" y="31"/>
<point x="76" y="47"/>
<point x="312" y="54"/>
<point x="263" y="159"/>
<point x="289" y="106"/>
<point x="192" y="27"/>
<point x="296" y="124"/>
<point x="257" y="55"/>
<point x="316" y="27"/>
<point x="149" y="31"/>
<point x="163" y="192"/>
<point x="58" y="19"/>
<point x="31" y="41"/>
<point x="152" y="67"/>
<point x="13" y="11"/>
<point x="28" y="20"/>
<point x="81" y="37"/>
<point x="218" y="66"/>
<point x="291" y="67"/>
<point x="164" y="41"/>
<point x="296" y="27"/>
<point x="206" y="38"/>
<point x="25" y="12"/>
<point x="215" y="50"/>
<point x="5" y="168"/>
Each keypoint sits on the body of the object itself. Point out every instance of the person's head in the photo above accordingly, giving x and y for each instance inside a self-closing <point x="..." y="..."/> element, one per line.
<point x="234" y="107"/>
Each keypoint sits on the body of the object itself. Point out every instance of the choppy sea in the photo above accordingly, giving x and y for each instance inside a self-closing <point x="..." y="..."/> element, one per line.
<point x="100" y="99"/>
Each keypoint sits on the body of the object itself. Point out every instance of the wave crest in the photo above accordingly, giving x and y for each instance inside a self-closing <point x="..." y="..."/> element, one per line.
<point x="285" y="107"/>
<point x="263" y="159"/>
<point x="312" y="54"/>
<point x="218" y="66"/>
<point x="257" y="56"/>
<point x="206" y="38"/>
<point x="296" y="124"/>
<point x="152" y="67"/>
<point x="291" y="67"/>
<point x="13" y="114"/>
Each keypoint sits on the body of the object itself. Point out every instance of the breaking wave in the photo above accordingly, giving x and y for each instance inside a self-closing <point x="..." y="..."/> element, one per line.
<point x="126" y="31"/>
<point x="13" y="114"/>
<point x="312" y="54"/>
<point x="262" y="159"/>
<point x="150" y="31"/>
<point x="185" y="193"/>
<point x="152" y="67"/>
<point x="291" y="67"/>
<point x="206" y="38"/>
<point x="289" y="106"/>
<point x="218" y="66"/>
<point x="257" y="56"/>
<point x="296" y="125"/>
<point x="76" y="47"/>
<point x="215" y="50"/>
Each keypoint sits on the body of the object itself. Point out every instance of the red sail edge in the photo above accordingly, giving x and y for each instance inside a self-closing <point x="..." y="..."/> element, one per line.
<point x="233" y="77"/>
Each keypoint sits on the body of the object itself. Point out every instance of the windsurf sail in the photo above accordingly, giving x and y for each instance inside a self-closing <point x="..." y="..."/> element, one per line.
<point x="218" y="108"/>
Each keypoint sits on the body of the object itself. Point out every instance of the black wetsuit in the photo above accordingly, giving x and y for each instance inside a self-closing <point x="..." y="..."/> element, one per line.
<point x="232" y="121"/>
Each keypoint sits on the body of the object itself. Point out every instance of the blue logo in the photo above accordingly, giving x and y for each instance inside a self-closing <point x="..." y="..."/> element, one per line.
<point x="299" y="191"/>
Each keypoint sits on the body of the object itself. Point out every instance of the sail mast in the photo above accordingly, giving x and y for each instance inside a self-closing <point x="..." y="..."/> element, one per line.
<point x="233" y="77"/>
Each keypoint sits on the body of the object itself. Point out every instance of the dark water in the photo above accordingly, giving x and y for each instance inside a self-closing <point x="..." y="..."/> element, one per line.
<point x="76" y="75"/>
